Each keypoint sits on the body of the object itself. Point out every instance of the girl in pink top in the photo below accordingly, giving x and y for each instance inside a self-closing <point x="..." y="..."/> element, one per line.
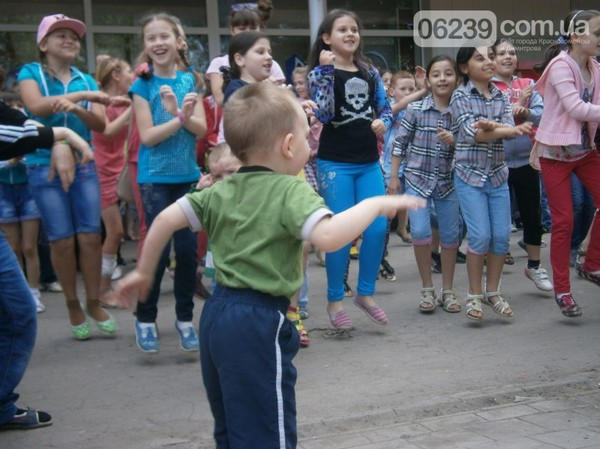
<point x="114" y="77"/>
<point x="242" y="17"/>
<point x="570" y="85"/>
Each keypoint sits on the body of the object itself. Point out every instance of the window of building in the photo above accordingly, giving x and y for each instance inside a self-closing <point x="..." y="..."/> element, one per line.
<point x="380" y="14"/>
<point x="129" y="13"/>
<point x="286" y="14"/>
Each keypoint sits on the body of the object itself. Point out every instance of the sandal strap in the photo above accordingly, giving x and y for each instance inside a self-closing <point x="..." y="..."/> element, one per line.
<point x="448" y="298"/>
<point x="428" y="295"/>
<point x="474" y="303"/>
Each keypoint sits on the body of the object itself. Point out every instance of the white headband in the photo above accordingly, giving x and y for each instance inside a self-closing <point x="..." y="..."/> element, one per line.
<point x="572" y="22"/>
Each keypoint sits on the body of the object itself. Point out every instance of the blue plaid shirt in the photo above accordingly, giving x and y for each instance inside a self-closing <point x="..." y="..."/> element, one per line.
<point x="428" y="160"/>
<point x="476" y="162"/>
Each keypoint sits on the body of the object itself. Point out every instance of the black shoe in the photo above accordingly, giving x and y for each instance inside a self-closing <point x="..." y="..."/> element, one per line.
<point x="26" y="419"/>
<point x="461" y="257"/>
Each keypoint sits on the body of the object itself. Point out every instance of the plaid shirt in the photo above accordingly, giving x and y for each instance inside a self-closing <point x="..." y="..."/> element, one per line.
<point x="476" y="162"/>
<point x="428" y="160"/>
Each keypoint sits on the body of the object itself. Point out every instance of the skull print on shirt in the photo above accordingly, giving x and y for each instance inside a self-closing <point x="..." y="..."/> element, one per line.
<point x="356" y="95"/>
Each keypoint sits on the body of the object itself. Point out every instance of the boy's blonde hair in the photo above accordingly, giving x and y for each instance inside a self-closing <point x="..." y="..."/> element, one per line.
<point x="401" y="75"/>
<point x="302" y="71"/>
<point x="217" y="153"/>
<point x="256" y="115"/>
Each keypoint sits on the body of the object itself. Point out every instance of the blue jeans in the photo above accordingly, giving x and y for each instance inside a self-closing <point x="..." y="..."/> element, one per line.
<point x="342" y="185"/>
<point x="486" y="211"/>
<point x="18" y="327"/>
<point x="17" y="204"/>
<point x="155" y="198"/>
<point x="67" y="213"/>
<point x="583" y="211"/>
<point x="448" y="216"/>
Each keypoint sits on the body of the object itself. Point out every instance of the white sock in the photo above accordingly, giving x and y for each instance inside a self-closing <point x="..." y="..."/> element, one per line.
<point x="109" y="263"/>
<point x="35" y="292"/>
<point x="147" y="325"/>
<point x="182" y="325"/>
<point x="560" y="295"/>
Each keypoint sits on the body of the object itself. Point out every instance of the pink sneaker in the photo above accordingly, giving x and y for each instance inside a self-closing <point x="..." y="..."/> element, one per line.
<point x="375" y="313"/>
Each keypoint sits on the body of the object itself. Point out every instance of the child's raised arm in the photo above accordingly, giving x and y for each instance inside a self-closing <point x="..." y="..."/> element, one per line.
<point x="334" y="232"/>
<point x="136" y="285"/>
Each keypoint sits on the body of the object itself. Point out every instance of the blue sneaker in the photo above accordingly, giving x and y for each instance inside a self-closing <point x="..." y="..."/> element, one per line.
<point x="146" y="337"/>
<point x="188" y="340"/>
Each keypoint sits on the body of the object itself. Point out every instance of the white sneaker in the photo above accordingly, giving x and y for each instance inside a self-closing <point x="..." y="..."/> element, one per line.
<point x="539" y="278"/>
<point x="117" y="273"/>
<point x="53" y="287"/>
<point x="38" y="303"/>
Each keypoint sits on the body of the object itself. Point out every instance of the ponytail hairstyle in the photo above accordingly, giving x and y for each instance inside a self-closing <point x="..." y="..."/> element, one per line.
<point x="250" y="15"/>
<point x="326" y="27"/>
<point x="462" y="59"/>
<point x="240" y="43"/>
<point x="564" y="42"/>
<point x="105" y="69"/>
<point x="183" y="54"/>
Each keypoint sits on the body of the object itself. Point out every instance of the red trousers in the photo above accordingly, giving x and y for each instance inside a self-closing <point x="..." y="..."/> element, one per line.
<point x="556" y="177"/>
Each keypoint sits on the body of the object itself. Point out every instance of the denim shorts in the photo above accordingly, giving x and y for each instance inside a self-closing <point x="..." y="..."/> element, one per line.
<point x="448" y="215"/>
<point x="486" y="211"/>
<point x="17" y="204"/>
<point x="67" y="213"/>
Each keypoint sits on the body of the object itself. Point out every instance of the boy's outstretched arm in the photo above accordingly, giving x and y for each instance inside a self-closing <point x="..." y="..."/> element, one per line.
<point x="334" y="232"/>
<point x="136" y="285"/>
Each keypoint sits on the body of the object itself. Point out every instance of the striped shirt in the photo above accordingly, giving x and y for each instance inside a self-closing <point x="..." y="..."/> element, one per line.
<point x="428" y="160"/>
<point x="476" y="162"/>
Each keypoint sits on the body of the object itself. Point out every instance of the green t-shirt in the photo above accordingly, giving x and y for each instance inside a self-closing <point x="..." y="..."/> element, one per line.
<point x="256" y="220"/>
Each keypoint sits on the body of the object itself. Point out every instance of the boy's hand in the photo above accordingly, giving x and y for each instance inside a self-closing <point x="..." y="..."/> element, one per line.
<point x="309" y="107"/>
<point x="525" y="96"/>
<point x="168" y="99"/>
<point x="133" y="288"/>
<point x="420" y="74"/>
<point x="520" y="111"/>
<point x="391" y="204"/>
<point x="393" y="185"/>
<point x="188" y="104"/>
<point x="445" y="136"/>
<point x="378" y="127"/>
<point x="205" y="182"/>
<point x="326" y="57"/>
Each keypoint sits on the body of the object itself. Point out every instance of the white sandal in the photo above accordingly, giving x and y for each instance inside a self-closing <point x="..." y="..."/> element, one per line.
<point x="500" y="306"/>
<point x="449" y="302"/>
<point x="474" y="305"/>
<point x="428" y="300"/>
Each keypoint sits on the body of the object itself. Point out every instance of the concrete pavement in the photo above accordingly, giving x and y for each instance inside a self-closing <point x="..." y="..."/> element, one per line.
<point x="438" y="381"/>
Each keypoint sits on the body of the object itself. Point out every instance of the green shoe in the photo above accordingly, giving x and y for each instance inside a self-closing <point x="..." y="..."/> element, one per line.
<point x="81" y="331"/>
<point x="108" y="326"/>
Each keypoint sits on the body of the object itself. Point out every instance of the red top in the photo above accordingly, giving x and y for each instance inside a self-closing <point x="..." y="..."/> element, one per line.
<point x="109" y="152"/>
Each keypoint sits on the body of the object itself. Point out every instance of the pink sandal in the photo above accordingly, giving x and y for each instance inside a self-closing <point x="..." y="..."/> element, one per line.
<point x="375" y="313"/>
<point x="341" y="320"/>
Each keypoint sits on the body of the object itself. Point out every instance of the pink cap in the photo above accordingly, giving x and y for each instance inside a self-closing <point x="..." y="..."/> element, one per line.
<point x="57" y="21"/>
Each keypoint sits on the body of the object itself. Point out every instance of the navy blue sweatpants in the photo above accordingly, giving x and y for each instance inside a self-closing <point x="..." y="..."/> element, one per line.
<point x="246" y="351"/>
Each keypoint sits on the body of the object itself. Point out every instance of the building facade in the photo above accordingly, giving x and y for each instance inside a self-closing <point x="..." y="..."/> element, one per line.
<point x="113" y="26"/>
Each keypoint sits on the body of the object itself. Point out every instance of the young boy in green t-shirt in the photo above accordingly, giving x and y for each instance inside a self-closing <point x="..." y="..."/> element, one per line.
<point x="256" y="221"/>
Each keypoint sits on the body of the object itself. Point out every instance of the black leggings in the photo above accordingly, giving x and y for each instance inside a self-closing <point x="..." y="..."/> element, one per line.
<point x="526" y="184"/>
